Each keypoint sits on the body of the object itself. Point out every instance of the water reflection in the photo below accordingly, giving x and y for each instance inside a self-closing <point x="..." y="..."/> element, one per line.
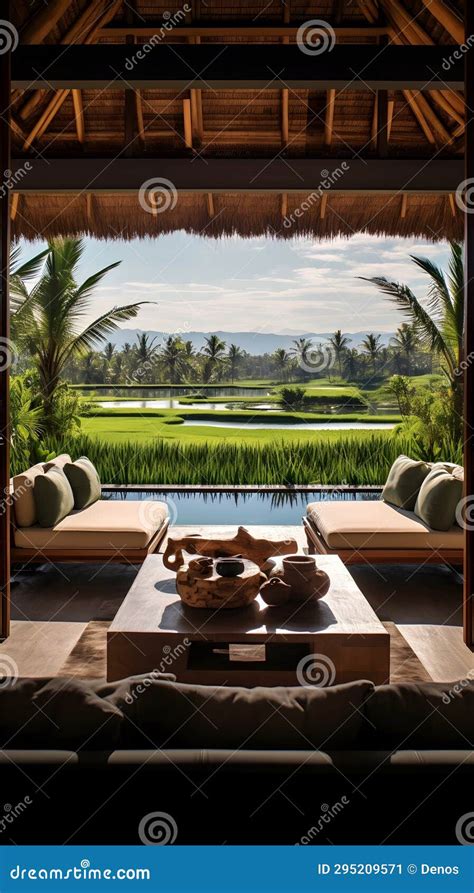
<point x="240" y="507"/>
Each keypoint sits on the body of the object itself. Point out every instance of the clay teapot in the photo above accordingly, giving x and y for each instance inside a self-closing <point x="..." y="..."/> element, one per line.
<point x="275" y="592"/>
<point x="307" y="582"/>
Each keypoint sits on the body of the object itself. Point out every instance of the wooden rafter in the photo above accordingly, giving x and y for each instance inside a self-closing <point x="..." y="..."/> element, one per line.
<point x="210" y="204"/>
<point x="78" y="114"/>
<point x="59" y="97"/>
<point x="284" y="205"/>
<point x="14" y="205"/>
<point x="447" y="18"/>
<point x="404" y="206"/>
<point x="253" y="30"/>
<point x="369" y="10"/>
<point x="418" y="114"/>
<point x="323" y="205"/>
<point x="44" y="21"/>
<point x="187" y="124"/>
<point x="390" y="110"/>
<point x="329" y="122"/>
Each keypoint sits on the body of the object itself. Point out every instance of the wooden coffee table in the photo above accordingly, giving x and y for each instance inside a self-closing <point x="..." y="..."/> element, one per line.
<point x="339" y="639"/>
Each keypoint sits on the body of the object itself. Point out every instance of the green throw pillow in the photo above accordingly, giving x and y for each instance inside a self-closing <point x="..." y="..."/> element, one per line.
<point x="53" y="497"/>
<point x="404" y="481"/>
<point x="84" y="480"/>
<point x="438" y="498"/>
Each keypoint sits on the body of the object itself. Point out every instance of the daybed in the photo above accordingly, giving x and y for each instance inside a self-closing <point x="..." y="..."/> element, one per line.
<point x="378" y="531"/>
<point x="107" y="530"/>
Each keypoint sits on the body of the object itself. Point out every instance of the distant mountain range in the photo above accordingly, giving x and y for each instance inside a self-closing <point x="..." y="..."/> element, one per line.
<point x="255" y="343"/>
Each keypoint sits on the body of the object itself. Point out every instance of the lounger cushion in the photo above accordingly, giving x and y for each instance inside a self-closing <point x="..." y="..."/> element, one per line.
<point x="404" y="481"/>
<point x="23" y="496"/>
<point x="84" y="480"/>
<point x="53" y="496"/>
<point x="438" y="499"/>
<point x="57" y="462"/>
<point x="377" y="525"/>
<point x="106" y="524"/>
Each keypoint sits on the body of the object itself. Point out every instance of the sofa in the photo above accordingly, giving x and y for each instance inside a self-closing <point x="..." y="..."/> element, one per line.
<point x="378" y="531"/>
<point x="109" y="530"/>
<point x="350" y="764"/>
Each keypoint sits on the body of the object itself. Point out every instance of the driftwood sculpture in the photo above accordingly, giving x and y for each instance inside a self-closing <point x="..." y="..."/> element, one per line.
<point x="200" y="586"/>
<point x="243" y="543"/>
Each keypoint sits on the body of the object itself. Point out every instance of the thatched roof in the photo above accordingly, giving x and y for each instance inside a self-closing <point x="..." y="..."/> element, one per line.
<point x="263" y="124"/>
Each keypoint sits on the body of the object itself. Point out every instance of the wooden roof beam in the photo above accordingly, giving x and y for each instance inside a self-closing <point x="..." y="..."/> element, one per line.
<point x="418" y="114"/>
<point x="254" y="30"/>
<point x="44" y="21"/>
<point x="239" y="67"/>
<point x="246" y="175"/>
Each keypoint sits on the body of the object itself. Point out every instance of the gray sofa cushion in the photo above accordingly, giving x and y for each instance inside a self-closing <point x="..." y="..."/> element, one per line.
<point x="178" y="715"/>
<point x="59" y="713"/>
<point x="428" y="715"/>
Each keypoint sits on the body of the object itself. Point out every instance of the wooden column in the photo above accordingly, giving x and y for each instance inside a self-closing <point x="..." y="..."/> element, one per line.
<point x="469" y="341"/>
<point x="5" y="164"/>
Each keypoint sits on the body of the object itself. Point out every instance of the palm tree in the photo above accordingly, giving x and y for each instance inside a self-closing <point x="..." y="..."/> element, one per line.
<point x="300" y="350"/>
<point x="173" y="359"/>
<point x="339" y="344"/>
<point x="282" y="360"/>
<point x="235" y="356"/>
<point x="20" y="274"/>
<point x="440" y="324"/>
<point x="351" y="364"/>
<point x="373" y="348"/>
<point x="405" y="341"/>
<point x="53" y="310"/>
<point x="109" y="351"/>
<point x="213" y="352"/>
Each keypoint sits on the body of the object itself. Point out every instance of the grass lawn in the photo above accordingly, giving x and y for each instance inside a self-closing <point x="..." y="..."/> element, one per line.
<point x="140" y="428"/>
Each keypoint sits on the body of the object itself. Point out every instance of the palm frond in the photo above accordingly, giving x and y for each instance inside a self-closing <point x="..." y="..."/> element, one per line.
<point x="99" y="330"/>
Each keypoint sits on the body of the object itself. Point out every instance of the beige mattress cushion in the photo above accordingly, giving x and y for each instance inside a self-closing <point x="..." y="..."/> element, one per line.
<point x="107" y="524"/>
<point x="24" y="506"/>
<point x="377" y="525"/>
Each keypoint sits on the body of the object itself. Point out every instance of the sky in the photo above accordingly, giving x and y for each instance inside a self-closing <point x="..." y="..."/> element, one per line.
<point x="263" y="285"/>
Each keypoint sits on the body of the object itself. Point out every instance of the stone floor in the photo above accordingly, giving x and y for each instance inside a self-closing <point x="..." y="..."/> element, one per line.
<point x="52" y="604"/>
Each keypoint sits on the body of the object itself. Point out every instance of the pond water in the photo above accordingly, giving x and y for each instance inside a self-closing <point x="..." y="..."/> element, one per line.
<point x="169" y="403"/>
<point x="300" y="426"/>
<point x="178" y="391"/>
<point x="218" y="507"/>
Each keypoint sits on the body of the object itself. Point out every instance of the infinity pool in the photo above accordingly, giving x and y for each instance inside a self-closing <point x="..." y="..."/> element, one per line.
<point x="219" y="507"/>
